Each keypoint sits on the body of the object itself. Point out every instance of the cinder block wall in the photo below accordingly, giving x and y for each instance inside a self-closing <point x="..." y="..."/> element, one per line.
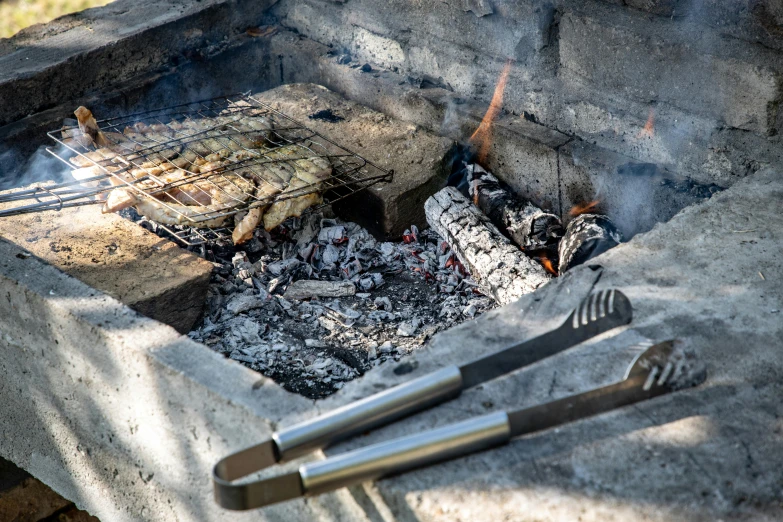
<point x="707" y="72"/>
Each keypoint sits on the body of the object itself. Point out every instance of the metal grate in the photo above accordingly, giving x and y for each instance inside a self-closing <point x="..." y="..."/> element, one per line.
<point x="191" y="167"/>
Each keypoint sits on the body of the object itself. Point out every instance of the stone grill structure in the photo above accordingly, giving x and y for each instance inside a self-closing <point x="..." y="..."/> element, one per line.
<point x="651" y="106"/>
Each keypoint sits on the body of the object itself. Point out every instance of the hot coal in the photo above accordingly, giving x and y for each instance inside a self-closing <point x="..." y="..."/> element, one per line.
<point x="403" y="293"/>
<point x="587" y="236"/>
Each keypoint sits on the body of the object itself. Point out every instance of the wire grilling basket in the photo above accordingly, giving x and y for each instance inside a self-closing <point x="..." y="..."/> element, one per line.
<point x="191" y="168"/>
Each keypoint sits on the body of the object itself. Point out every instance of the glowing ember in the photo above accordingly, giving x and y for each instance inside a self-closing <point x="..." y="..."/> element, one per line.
<point x="648" y="131"/>
<point x="584" y="208"/>
<point x="547" y="264"/>
<point x="482" y="138"/>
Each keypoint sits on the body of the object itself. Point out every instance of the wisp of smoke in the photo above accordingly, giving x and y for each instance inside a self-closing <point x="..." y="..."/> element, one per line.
<point x="41" y="166"/>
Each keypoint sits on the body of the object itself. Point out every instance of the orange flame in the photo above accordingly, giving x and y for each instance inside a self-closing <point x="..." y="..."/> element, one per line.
<point x="584" y="208"/>
<point x="648" y="131"/>
<point x="482" y="137"/>
<point x="547" y="264"/>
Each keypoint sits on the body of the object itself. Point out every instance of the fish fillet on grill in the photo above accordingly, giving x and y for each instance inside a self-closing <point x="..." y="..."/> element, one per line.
<point x="201" y="172"/>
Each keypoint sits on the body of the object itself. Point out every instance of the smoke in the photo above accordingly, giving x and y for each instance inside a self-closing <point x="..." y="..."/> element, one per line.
<point x="42" y="166"/>
<point x="10" y="160"/>
<point x="450" y="126"/>
<point x="626" y="192"/>
<point x="630" y="196"/>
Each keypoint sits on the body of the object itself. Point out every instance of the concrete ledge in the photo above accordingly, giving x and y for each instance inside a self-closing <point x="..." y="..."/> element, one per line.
<point x="113" y="255"/>
<point x="115" y="411"/>
<point x="45" y="65"/>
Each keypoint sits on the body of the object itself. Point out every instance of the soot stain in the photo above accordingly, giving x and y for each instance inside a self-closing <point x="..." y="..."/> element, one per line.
<point x="326" y="115"/>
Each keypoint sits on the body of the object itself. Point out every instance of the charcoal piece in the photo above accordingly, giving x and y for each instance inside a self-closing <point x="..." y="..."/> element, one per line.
<point x="586" y="237"/>
<point x="501" y="270"/>
<point x="304" y="289"/>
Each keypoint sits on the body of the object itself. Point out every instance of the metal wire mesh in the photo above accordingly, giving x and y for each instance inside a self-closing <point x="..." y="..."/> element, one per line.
<point x="192" y="167"/>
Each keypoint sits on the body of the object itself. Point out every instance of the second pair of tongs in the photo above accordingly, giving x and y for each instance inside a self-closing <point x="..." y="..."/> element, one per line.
<point x="597" y="314"/>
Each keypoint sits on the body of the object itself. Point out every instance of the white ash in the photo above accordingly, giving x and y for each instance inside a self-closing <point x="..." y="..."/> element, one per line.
<point x="405" y="293"/>
<point x="686" y="369"/>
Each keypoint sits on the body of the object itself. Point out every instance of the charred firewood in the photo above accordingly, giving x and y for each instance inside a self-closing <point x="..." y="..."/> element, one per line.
<point x="500" y="268"/>
<point x="587" y="236"/>
<point x="527" y="225"/>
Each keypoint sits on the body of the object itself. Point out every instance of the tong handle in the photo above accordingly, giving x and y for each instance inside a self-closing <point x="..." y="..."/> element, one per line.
<point x="369" y="412"/>
<point x="398" y="455"/>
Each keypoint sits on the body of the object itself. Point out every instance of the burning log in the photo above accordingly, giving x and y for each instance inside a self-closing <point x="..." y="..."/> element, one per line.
<point x="500" y="268"/>
<point x="527" y="225"/>
<point x="587" y="236"/>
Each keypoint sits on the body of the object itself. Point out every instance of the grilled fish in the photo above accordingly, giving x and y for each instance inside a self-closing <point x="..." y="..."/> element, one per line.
<point x="202" y="171"/>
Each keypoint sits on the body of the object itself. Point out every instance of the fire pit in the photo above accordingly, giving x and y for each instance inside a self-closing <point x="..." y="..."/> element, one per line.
<point x="616" y="128"/>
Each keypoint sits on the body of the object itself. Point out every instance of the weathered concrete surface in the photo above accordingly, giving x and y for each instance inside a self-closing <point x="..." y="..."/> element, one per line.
<point x="756" y="21"/>
<point x="45" y="65"/>
<point x="704" y="454"/>
<point x="715" y="99"/>
<point x="125" y="417"/>
<point x="417" y="156"/>
<point x="548" y="167"/>
<point x="117" y="412"/>
<point x="149" y="274"/>
<point x="733" y="81"/>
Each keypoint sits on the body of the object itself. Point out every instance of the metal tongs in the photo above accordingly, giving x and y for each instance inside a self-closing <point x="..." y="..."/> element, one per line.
<point x="598" y="313"/>
<point x="656" y="371"/>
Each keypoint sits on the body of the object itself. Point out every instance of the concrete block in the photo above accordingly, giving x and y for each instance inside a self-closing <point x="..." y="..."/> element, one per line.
<point x="754" y="21"/>
<point x="149" y="274"/>
<point x="736" y="82"/>
<point x="525" y="156"/>
<point x="378" y="49"/>
<point x="698" y="147"/>
<point x="417" y="156"/>
<point x="45" y="65"/>
<point x="515" y="31"/>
